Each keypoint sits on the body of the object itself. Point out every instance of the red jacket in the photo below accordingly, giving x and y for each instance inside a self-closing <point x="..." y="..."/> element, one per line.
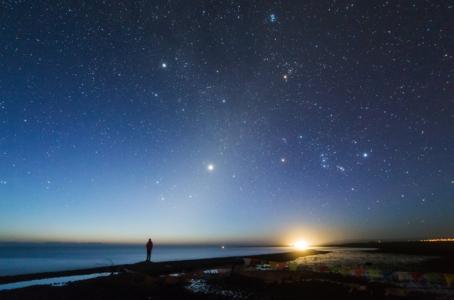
<point x="149" y="245"/>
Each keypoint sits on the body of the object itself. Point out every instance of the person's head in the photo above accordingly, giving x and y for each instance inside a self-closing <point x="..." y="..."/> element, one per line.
<point x="149" y="240"/>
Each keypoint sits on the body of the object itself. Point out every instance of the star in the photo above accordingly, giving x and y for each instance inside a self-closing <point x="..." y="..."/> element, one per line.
<point x="273" y="18"/>
<point x="324" y="161"/>
<point x="210" y="167"/>
<point x="365" y="155"/>
<point x="283" y="160"/>
<point x="340" y="168"/>
<point x="164" y="65"/>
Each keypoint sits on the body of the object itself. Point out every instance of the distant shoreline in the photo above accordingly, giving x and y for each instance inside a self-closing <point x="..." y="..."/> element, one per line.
<point x="159" y="268"/>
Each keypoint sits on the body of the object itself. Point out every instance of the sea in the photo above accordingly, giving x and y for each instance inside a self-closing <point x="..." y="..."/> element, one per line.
<point x="35" y="258"/>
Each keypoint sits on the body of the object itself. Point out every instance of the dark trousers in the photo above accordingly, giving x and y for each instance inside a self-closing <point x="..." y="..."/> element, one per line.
<point x="148" y="255"/>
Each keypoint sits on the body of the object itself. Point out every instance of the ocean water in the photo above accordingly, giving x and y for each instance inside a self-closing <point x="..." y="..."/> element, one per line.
<point x="34" y="258"/>
<point x="56" y="281"/>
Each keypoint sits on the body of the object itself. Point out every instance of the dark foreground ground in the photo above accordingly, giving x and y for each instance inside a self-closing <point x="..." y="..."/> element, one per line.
<point x="229" y="278"/>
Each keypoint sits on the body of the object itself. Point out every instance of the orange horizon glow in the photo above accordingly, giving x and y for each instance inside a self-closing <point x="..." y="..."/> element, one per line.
<point x="300" y="245"/>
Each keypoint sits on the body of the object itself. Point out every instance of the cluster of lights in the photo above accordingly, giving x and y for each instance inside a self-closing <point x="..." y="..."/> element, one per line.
<point x="439" y="240"/>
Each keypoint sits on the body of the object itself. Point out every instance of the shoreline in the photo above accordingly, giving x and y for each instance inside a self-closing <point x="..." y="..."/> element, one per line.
<point x="443" y="250"/>
<point x="161" y="268"/>
<point x="285" y="275"/>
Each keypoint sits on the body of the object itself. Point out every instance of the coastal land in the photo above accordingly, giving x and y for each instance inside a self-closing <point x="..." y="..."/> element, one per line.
<point x="292" y="275"/>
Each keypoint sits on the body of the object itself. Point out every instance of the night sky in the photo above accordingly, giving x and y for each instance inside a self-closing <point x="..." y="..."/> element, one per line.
<point x="226" y="121"/>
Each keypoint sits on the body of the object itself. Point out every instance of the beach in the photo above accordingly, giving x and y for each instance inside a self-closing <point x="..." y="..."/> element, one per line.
<point x="345" y="273"/>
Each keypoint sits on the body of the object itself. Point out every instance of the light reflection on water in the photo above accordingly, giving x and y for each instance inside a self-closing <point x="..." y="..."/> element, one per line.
<point x="56" y="281"/>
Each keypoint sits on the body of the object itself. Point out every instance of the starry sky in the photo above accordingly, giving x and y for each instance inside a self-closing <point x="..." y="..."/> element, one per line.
<point x="226" y="121"/>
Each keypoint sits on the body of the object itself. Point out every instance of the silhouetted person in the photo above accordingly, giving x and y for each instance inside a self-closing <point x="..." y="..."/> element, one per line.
<point x="149" y="246"/>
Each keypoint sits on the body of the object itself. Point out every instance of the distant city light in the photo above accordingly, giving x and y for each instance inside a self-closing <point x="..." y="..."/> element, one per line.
<point x="438" y="240"/>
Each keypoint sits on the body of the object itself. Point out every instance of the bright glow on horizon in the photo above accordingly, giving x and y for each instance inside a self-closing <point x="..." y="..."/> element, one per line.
<point x="301" y="245"/>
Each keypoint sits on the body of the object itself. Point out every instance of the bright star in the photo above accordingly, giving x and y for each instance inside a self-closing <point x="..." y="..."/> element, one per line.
<point x="283" y="160"/>
<point x="210" y="167"/>
<point x="273" y="18"/>
<point x="164" y="65"/>
<point x="365" y="155"/>
<point x="340" y="168"/>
